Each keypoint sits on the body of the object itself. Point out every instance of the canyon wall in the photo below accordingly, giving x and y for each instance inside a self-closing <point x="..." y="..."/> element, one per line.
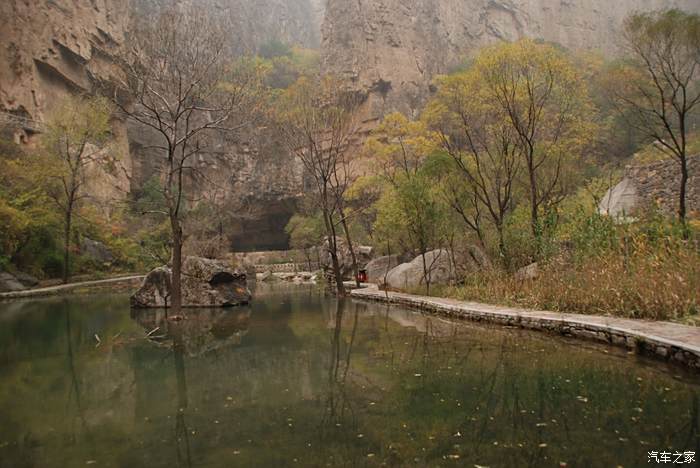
<point x="392" y="49"/>
<point x="50" y="49"/>
<point x="389" y="50"/>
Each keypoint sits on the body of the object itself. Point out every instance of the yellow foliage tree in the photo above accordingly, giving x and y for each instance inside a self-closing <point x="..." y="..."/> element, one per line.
<point x="543" y="98"/>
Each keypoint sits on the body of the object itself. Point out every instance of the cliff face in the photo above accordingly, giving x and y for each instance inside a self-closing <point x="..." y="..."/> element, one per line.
<point x="393" y="48"/>
<point x="50" y="49"/>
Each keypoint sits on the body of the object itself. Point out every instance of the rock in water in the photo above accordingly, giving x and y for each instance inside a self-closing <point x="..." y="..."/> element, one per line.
<point x="411" y="275"/>
<point x="205" y="283"/>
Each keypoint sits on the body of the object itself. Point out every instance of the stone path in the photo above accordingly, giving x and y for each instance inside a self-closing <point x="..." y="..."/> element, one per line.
<point x="674" y="342"/>
<point x="63" y="288"/>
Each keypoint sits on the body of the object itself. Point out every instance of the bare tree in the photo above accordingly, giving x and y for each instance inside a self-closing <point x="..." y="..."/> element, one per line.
<point x="73" y="137"/>
<point x="662" y="87"/>
<point x="182" y="83"/>
<point x="318" y="122"/>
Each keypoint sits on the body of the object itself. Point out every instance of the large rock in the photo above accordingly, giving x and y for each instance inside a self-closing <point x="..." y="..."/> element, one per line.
<point x="96" y="250"/>
<point x="527" y="273"/>
<point x="26" y="279"/>
<point x="411" y="275"/>
<point x="378" y="268"/>
<point x="9" y="283"/>
<point x="205" y="283"/>
<point x="362" y="253"/>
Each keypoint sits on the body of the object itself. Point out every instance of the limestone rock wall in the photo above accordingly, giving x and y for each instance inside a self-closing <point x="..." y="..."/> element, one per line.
<point x="50" y="49"/>
<point x="393" y="48"/>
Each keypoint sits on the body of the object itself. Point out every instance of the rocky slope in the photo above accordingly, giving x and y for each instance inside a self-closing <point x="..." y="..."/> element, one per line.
<point x="393" y="48"/>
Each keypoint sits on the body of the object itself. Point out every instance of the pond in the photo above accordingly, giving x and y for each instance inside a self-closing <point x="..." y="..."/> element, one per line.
<point x="301" y="379"/>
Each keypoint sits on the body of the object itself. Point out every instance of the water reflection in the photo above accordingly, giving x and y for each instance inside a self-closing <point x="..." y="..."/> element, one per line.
<point x="203" y="331"/>
<point x="300" y="379"/>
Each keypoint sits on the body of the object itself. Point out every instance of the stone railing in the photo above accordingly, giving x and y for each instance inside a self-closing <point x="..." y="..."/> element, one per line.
<point x="286" y="267"/>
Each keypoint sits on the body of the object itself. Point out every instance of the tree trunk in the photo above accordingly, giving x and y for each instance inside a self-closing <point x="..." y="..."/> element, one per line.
<point x="534" y="215"/>
<point x="66" y="243"/>
<point x="502" y="245"/>
<point x="333" y="250"/>
<point x="682" y="197"/>
<point x="355" y="268"/>
<point x="426" y="273"/>
<point x="176" y="277"/>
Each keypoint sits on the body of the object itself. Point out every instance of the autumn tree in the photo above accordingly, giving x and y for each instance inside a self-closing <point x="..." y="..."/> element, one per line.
<point x="318" y="122"/>
<point x="409" y="211"/>
<point x="484" y="147"/>
<point x="180" y="81"/>
<point x="543" y="99"/>
<point x="306" y="234"/>
<point x="73" y="138"/>
<point x="661" y="85"/>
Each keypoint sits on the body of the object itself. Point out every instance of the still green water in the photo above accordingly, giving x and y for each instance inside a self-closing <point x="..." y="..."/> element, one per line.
<point x="299" y="379"/>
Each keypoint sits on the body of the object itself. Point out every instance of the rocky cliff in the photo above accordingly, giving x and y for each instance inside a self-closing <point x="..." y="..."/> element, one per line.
<point x="50" y="49"/>
<point x="393" y="48"/>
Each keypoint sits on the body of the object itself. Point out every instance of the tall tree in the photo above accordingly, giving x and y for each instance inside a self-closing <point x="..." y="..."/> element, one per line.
<point x="73" y="137"/>
<point x="662" y="83"/>
<point x="547" y="105"/>
<point x="409" y="211"/>
<point x="483" y="146"/>
<point x="318" y="121"/>
<point x="182" y="83"/>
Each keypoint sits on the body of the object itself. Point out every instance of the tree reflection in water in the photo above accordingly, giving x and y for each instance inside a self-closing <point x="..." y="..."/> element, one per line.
<point x="203" y="331"/>
<point x="337" y="402"/>
<point x="311" y="382"/>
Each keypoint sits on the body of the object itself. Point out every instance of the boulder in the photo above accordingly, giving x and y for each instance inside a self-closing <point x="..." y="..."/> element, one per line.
<point x="411" y="275"/>
<point x="96" y="250"/>
<point x="205" y="283"/>
<point x="26" y="279"/>
<point x="529" y="272"/>
<point x="378" y="268"/>
<point x="9" y="283"/>
<point x="266" y="276"/>
<point x="362" y="253"/>
<point x="470" y="260"/>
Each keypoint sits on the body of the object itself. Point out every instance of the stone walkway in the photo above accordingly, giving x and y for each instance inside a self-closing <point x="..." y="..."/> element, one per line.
<point x="670" y="341"/>
<point x="63" y="288"/>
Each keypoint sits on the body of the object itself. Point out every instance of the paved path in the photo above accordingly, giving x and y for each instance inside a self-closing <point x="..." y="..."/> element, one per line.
<point x="63" y="288"/>
<point x="666" y="340"/>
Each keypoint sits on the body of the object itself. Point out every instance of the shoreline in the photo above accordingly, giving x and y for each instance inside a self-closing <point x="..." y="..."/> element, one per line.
<point x="67" y="288"/>
<point x="663" y="340"/>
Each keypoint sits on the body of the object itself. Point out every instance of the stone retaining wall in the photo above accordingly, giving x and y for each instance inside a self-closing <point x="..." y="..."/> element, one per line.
<point x="658" y="183"/>
<point x="285" y="267"/>
<point x="668" y="341"/>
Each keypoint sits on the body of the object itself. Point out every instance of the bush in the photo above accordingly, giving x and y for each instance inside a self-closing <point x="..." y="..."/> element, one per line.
<point x="642" y="270"/>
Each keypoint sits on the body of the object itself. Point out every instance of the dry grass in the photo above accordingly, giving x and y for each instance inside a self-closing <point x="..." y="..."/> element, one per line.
<point x="639" y="281"/>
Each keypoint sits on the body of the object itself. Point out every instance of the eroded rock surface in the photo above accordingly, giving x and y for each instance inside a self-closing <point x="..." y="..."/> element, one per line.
<point x="378" y="268"/>
<point x="205" y="283"/>
<point x="392" y="49"/>
<point x="363" y="254"/>
<point x="438" y="265"/>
